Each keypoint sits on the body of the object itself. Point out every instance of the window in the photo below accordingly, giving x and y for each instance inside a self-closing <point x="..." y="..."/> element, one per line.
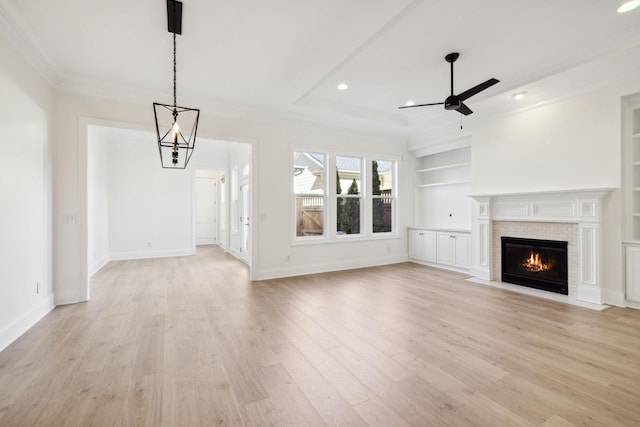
<point x="340" y="197"/>
<point x="382" y="195"/>
<point x="348" y="195"/>
<point x="309" y="182"/>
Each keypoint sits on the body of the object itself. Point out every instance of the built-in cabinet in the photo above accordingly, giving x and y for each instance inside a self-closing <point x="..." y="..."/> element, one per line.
<point x="441" y="248"/>
<point x="453" y="249"/>
<point x="422" y="245"/>
<point x="633" y="271"/>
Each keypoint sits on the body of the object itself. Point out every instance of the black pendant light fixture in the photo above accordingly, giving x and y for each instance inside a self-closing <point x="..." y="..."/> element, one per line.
<point x="175" y="145"/>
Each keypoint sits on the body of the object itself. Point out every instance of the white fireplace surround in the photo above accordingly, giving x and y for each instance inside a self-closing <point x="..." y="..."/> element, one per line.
<point x="581" y="207"/>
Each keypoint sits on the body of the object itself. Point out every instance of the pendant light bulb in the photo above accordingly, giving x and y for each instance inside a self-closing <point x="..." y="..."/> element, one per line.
<point x="176" y="128"/>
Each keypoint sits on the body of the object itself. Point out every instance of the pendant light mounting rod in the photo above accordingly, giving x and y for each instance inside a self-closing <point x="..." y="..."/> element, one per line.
<point x="174" y="16"/>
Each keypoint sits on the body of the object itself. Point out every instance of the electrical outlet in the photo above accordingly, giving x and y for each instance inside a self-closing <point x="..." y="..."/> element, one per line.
<point x="69" y="218"/>
<point x="37" y="287"/>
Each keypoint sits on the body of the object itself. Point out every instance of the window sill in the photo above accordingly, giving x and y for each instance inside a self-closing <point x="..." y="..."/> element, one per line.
<point x="344" y="239"/>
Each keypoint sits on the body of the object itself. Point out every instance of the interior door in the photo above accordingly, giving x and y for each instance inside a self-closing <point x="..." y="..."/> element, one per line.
<point x="245" y="227"/>
<point x="206" y="217"/>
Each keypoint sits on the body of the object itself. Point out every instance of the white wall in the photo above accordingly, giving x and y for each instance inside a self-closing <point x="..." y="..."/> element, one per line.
<point x="134" y="208"/>
<point x="149" y="207"/>
<point x="97" y="199"/>
<point x="25" y="183"/>
<point x="569" y="145"/>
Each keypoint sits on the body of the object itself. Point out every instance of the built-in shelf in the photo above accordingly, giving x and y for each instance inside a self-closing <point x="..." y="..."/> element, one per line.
<point x="446" y="168"/>
<point x="437" y="184"/>
<point x="631" y="166"/>
<point x="442" y="188"/>
<point x="454" y="165"/>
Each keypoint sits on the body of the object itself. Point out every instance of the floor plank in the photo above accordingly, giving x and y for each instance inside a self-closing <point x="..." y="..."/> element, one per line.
<point x="192" y="341"/>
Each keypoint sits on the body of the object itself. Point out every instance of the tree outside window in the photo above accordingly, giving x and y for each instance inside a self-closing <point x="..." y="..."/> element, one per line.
<point x="382" y="194"/>
<point x="348" y="206"/>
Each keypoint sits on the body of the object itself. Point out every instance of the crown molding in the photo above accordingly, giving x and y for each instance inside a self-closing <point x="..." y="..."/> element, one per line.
<point x="21" y="37"/>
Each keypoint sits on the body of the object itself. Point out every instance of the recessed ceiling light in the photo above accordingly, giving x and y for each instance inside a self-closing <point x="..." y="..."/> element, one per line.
<point x="630" y="5"/>
<point x="519" y="95"/>
<point x="409" y="104"/>
<point x="343" y="86"/>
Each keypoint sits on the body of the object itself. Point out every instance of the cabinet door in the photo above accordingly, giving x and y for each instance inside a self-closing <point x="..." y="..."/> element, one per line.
<point x="429" y="246"/>
<point x="443" y="249"/>
<point x="415" y="244"/>
<point x="633" y="274"/>
<point x="460" y="250"/>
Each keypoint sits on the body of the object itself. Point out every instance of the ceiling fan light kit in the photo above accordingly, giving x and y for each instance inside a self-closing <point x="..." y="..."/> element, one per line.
<point x="174" y="144"/>
<point x="455" y="102"/>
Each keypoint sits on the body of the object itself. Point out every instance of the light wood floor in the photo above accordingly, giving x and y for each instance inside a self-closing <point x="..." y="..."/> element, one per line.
<point x="190" y="341"/>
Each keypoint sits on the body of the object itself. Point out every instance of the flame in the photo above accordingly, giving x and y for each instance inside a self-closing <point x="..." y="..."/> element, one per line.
<point x="534" y="263"/>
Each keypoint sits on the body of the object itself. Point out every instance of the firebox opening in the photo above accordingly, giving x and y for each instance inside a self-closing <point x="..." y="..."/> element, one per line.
<point x="541" y="264"/>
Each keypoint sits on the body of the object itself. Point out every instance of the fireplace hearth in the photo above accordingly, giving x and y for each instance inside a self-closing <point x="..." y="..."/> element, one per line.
<point x="540" y="264"/>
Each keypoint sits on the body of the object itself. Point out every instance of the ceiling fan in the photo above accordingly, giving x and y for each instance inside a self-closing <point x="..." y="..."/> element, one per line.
<point x="454" y="102"/>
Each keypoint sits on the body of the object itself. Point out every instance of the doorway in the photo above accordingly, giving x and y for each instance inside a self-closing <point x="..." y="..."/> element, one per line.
<point x="205" y="216"/>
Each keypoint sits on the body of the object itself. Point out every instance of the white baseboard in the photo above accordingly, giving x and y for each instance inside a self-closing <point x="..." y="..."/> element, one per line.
<point x="441" y="266"/>
<point x="119" y="256"/>
<point x="21" y="325"/>
<point x="632" y="304"/>
<point x="299" y="270"/>
<point x="68" y="297"/>
<point x="613" y="298"/>
<point x="96" y="266"/>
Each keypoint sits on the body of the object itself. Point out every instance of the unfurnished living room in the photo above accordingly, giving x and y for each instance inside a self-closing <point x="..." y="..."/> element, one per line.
<point x="320" y="213"/>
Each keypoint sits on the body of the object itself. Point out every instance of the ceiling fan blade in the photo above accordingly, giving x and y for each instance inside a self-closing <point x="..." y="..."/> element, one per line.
<point x="479" y="88"/>
<point x="463" y="109"/>
<point x="422" y="105"/>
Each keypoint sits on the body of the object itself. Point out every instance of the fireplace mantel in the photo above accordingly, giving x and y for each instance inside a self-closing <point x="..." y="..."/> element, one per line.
<point x="582" y="207"/>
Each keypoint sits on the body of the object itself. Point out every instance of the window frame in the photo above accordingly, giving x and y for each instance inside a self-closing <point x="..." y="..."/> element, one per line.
<point x="325" y="196"/>
<point x="330" y="198"/>
<point x="393" y="197"/>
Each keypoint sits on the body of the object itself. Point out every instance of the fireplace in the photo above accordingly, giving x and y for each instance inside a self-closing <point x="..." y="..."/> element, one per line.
<point x="541" y="264"/>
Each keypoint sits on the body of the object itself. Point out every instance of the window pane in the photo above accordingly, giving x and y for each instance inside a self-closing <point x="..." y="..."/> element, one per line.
<point x="348" y="172"/>
<point x="349" y="193"/>
<point x="382" y="192"/>
<point x="382" y="177"/>
<point x="308" y="185"/>
<point x="348" y="209"/>
<point x="383" y="215"/>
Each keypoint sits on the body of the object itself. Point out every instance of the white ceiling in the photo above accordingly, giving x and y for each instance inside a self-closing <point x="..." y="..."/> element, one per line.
<point x="288" y="56"/>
